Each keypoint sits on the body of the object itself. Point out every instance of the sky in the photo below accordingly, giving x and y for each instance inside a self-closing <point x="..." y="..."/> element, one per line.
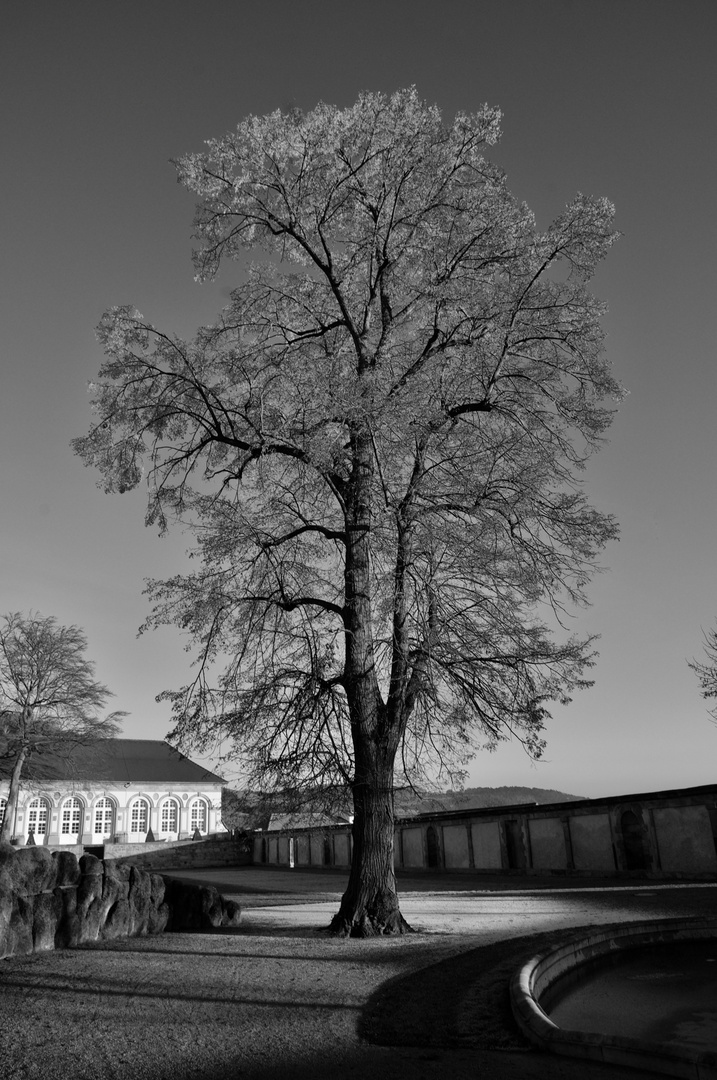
<point x="608" y="97"/>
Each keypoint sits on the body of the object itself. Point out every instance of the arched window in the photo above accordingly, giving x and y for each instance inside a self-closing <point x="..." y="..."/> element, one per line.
<point x="198" y="815"/>
<point x="139" y="816"/>
<point x="169" y="816"/>
<point x="37" y="814"/>
<point x="104" y="817"/>
<point x="71" y="823"/>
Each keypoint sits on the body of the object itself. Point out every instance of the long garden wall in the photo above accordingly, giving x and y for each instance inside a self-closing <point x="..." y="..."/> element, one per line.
<point x="668" y="834"/>
<point x="223" y="849"/>
<point x="182" y="854"/>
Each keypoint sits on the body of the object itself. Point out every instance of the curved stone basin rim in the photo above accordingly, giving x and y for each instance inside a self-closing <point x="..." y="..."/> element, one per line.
<point x="540" y="972"/>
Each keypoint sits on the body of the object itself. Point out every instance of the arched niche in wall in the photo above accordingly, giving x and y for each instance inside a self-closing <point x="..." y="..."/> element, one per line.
<point x="634" y="840"/>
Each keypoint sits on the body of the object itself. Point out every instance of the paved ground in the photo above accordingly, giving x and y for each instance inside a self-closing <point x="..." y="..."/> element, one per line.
<point x="277" y="998"/>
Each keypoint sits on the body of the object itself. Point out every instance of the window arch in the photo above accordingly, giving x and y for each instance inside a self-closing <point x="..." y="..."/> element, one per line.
<point x="169" y="817"/>
<point x="71" y="817"/>
<point x="104" y="819"/>
<point x="38" y="813"/>
<point x="139" y="816"/>
<point x="198" y="816"/>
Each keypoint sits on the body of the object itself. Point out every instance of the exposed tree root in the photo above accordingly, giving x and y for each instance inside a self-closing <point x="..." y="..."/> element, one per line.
<point x="364" y="925"/>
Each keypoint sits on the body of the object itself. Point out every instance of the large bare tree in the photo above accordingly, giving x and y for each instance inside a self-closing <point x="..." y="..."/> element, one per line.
<point x="49" y="699"/>
<point x="378" y="446"/>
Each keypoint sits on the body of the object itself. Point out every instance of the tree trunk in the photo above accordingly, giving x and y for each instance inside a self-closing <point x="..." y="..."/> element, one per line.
<point x="370" y="904"/>
<point x="8" y="821"/>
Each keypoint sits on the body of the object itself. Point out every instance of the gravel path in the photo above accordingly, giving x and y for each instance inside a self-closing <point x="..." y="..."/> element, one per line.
<point x="278" y="998"/>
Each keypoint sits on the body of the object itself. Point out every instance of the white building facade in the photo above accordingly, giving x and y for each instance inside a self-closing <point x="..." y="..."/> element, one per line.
<point x="140" y="788"/>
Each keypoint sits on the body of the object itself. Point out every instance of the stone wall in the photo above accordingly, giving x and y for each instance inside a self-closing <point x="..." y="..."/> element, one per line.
<point x="182" y="854"/>
<point x="52" y="900"/>
<point x="668" y="834"/>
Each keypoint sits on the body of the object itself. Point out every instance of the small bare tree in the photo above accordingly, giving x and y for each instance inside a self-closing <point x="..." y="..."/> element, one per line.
<point x="706" y="671"/>
<point x="49" y="699"/>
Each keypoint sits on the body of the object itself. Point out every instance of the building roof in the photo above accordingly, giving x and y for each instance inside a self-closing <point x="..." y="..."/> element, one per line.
<point x="122" y="760"/>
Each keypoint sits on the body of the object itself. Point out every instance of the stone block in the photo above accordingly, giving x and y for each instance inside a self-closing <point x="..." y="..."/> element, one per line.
<point x="6" y="903"/>
<point x="114" y="905"/>
<point x="46" y="915"/>
<point x="20" y="929"/>
<point x="231" y="913"/>
<point x="7" y="852"/>
<point x="140" y="891"/>
<point x="185" y="905"/>
<point x="89" y="906"/>
<point x="193" y="907"/>
<point x="31" y="871"/>
<point x="158" y="918"/>
<point x="117" y="921"/>
<point x="158" y="909"/>
<point x="91" y="866"/>
<point x="158" y="888"/>
<point x="67" y="868"/>
<point x="115" y="881"/>
<point x="212" y="907"/>
<point x="69" y="928"/>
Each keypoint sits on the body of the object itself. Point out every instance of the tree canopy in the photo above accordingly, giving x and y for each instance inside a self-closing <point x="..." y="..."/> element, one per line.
<point x="49" y="699"/>
<point x="378" y="446"/>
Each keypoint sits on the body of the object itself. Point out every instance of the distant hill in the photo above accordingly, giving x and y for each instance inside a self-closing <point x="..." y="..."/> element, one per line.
<point x="409" y="802"/>
<point x="251" y="810"/>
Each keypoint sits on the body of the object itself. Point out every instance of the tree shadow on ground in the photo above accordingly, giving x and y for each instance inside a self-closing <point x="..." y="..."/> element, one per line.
<point x="459" y="1003"/>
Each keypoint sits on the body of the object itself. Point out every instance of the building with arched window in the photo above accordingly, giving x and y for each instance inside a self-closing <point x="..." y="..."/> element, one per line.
<point x="169" y="813"/>
<point x="116" y="791"/>
<point x="72" y="820"/>
<point x="103" y="819"/>
<point x="38" y="812"/>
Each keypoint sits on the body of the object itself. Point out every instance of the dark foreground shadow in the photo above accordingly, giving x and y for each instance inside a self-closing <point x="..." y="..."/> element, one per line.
<point x="459" y="1003"/>
<point x="449" y="1021"/>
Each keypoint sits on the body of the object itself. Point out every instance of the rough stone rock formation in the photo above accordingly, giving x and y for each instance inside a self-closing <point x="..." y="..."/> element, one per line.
<point x="49" y="900"/>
